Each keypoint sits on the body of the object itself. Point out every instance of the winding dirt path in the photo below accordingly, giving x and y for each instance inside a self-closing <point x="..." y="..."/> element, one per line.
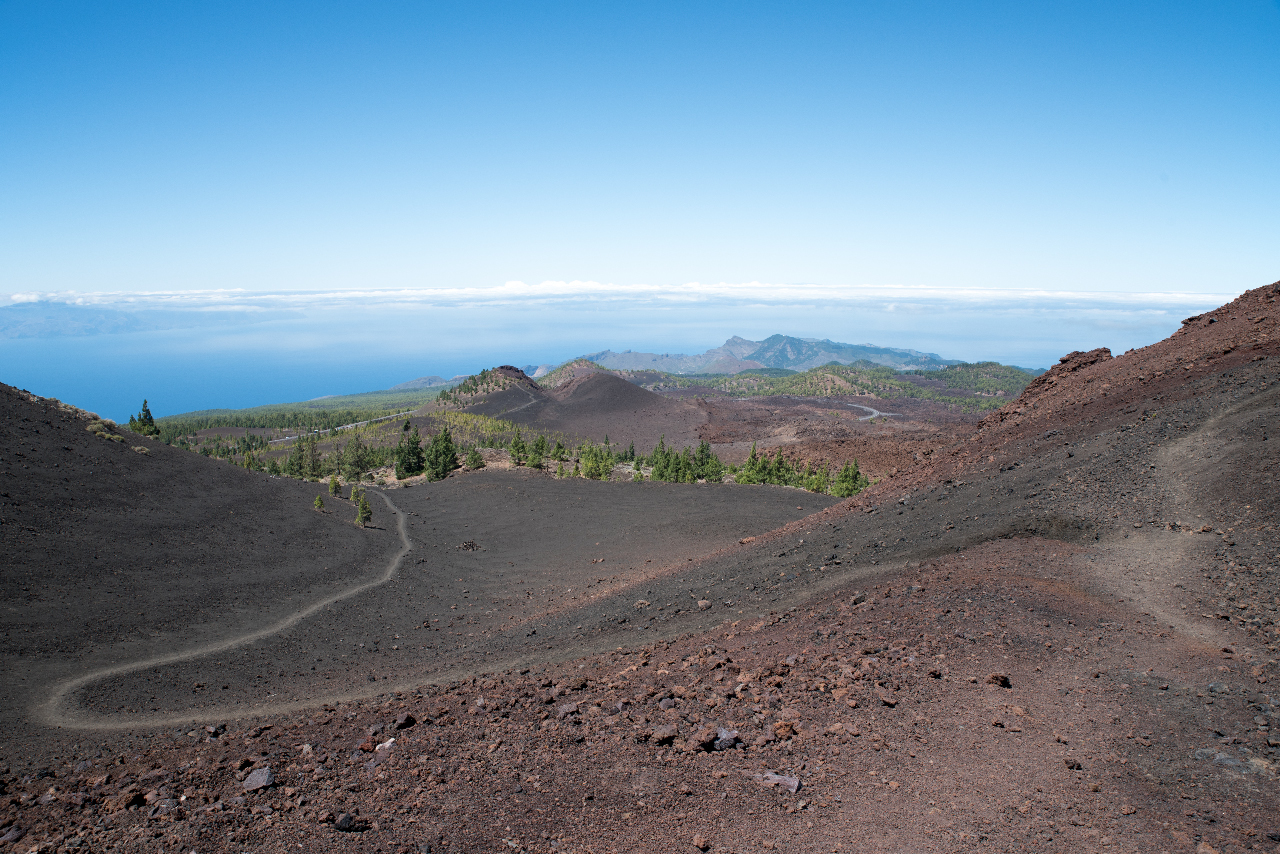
<point x="53" y="712"/>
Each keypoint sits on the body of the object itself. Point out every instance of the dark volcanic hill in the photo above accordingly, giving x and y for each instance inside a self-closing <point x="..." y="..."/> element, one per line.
<point x="592" y="405"/>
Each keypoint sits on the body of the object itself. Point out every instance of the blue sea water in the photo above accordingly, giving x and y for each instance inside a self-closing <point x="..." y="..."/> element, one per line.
<point x="364" y="349"/>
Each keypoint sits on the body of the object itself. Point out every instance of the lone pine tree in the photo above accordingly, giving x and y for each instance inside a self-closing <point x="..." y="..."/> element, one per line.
<point x="143" y="423"/>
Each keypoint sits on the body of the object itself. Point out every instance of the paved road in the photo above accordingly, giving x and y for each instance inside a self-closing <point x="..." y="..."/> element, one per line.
<point x="875" y="413"/>
<point x="346" y="426"/>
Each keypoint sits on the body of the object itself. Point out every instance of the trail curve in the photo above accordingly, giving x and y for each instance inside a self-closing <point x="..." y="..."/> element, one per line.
<point x="52" y="713"/>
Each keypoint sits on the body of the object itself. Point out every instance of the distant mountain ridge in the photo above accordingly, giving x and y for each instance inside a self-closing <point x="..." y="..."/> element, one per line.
<point x="777" y="351"/>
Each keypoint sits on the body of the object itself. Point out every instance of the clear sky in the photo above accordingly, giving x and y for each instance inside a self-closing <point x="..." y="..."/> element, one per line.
<point x="1090" y="148"/>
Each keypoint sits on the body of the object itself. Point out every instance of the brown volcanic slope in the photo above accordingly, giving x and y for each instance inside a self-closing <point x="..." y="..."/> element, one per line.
<point x="594" y="405"/>
<point x="1032" y="640"/>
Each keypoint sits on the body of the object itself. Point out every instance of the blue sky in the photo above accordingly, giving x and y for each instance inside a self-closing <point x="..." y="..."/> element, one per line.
<point x="830" y="153"/>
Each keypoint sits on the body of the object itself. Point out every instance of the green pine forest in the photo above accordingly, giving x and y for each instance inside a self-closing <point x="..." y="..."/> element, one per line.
<point x="359" y="437"/>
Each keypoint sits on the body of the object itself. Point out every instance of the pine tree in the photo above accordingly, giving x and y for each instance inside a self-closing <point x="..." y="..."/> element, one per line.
<point x="474" y="460"/>
<point x="333" y="484"/>
<point x="312" y="464"/>
<point x="441" y="456"/>
<point x="410" y="458"/>
<point x="363" y="512"/>
<point x="517" y="450"/>
<point x="293" y="464"/>
<point x="355" y="458"/>
<point x="319" y="503"/>
<point x="143" y="423"/>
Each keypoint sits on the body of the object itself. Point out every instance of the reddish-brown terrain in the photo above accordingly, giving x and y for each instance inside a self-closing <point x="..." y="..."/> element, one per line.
<point x="1056" y="632"/>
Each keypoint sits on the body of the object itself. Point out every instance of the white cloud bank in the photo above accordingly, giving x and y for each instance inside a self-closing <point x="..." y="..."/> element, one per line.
<point x="559" y="293"/>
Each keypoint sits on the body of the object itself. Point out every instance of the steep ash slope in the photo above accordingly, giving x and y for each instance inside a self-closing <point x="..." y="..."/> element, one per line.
<point x="116" y="548"/>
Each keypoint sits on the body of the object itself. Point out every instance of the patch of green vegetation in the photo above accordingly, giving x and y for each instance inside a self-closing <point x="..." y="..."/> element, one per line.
<point x="759" y="468"/>
<point x="986" y="378"/>
<point x="306" y="416"/>
<point x="687" y="466"/>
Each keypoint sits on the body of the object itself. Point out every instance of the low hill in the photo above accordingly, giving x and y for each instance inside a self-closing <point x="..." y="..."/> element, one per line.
<point x="427" y="382"/>
<point x="583" y="401"/>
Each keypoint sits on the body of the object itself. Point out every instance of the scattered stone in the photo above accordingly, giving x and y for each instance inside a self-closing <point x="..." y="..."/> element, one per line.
<point x="726" y="739"/>
<point x="1000" y="680"/>
<point x="771" y="778"/>
<point x="701" y="842"/>
<point x="564" y="710"/>
<point x="704" y="604"/>
<point x="1127" y="809"/>
<point x="405" y="720"/>
<point x="259" y="779"/>
<point x="704" y="739"/>
<point x="665" y="734"/>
